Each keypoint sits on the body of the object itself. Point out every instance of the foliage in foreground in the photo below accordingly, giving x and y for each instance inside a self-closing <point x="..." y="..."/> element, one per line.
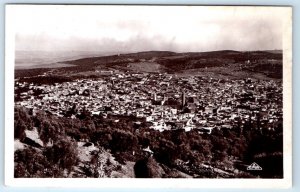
<point x="125" y="140"/>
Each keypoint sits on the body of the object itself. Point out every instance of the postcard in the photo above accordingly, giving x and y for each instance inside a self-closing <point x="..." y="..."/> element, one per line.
<point x="148" y="96"/>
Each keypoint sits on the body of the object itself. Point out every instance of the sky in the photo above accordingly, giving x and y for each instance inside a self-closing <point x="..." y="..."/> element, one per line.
<point x="143" y="28"/>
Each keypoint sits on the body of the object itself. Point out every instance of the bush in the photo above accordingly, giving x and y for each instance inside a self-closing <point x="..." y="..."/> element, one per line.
<point x="166" y="153"/>
<point x="148" y="168"/>
<point x="22" y="121"/>
<point x="102" y="138"/>
<point x="123" y="141"/>
<point x="32" y="163"/>
<point x="19" y="130"/>
<point x="63" y="153"/>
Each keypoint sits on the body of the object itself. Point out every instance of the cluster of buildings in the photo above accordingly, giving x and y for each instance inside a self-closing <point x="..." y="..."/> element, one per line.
<point x="166" y="101"/>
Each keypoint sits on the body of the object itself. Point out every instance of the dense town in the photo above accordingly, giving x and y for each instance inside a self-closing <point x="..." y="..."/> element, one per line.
<point x="166" y="101"/>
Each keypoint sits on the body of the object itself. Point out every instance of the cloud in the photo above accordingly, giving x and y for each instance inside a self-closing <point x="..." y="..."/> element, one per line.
<point x="136" y="28"/>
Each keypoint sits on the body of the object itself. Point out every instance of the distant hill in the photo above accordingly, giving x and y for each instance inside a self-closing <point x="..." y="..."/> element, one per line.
<point x="274" y="51"/>
<point x="47" y="59"/>
<point x="178" y="62"/>
<point x="230" y="62"/>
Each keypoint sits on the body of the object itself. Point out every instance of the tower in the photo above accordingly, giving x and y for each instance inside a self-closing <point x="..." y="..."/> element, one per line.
<point x="164" y="100"/>
<point x="154" y="97"/>
<point x="183" y="99"/>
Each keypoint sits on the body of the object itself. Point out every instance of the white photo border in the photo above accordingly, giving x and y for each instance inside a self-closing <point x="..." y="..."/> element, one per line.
<point x="286" y="182"/>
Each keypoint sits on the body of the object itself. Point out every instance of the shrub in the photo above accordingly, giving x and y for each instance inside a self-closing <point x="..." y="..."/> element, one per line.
<point x="148" y="168"/>
<point x="63" y="153"/>
<point x="166" y="153"/>
<point x="123" y="141"/>
<point x="22" y="121"/>
<point x="32" y="163"/>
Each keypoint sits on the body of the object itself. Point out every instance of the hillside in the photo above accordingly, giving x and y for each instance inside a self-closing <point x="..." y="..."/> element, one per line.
<point x="49" y="146"/>
<point x="268" y="64"/>
<point x="152" y="114"/>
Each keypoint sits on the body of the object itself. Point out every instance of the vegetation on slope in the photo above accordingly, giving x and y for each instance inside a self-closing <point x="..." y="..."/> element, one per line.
<point x="186" y="152"/>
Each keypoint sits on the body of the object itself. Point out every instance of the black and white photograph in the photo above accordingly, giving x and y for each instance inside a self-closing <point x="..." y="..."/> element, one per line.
<point x="149" y="91"/>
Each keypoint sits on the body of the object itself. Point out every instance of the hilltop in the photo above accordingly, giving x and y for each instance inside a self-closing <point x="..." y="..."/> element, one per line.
<point x="224" y="63"/>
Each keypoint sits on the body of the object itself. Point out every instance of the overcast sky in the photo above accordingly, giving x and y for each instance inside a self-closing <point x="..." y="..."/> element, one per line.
<point x="136" y="28"/>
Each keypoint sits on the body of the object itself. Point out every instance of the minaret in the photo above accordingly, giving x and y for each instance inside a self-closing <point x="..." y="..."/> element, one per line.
<point x="164" y="100"/>
<point x="183" y="99"/>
